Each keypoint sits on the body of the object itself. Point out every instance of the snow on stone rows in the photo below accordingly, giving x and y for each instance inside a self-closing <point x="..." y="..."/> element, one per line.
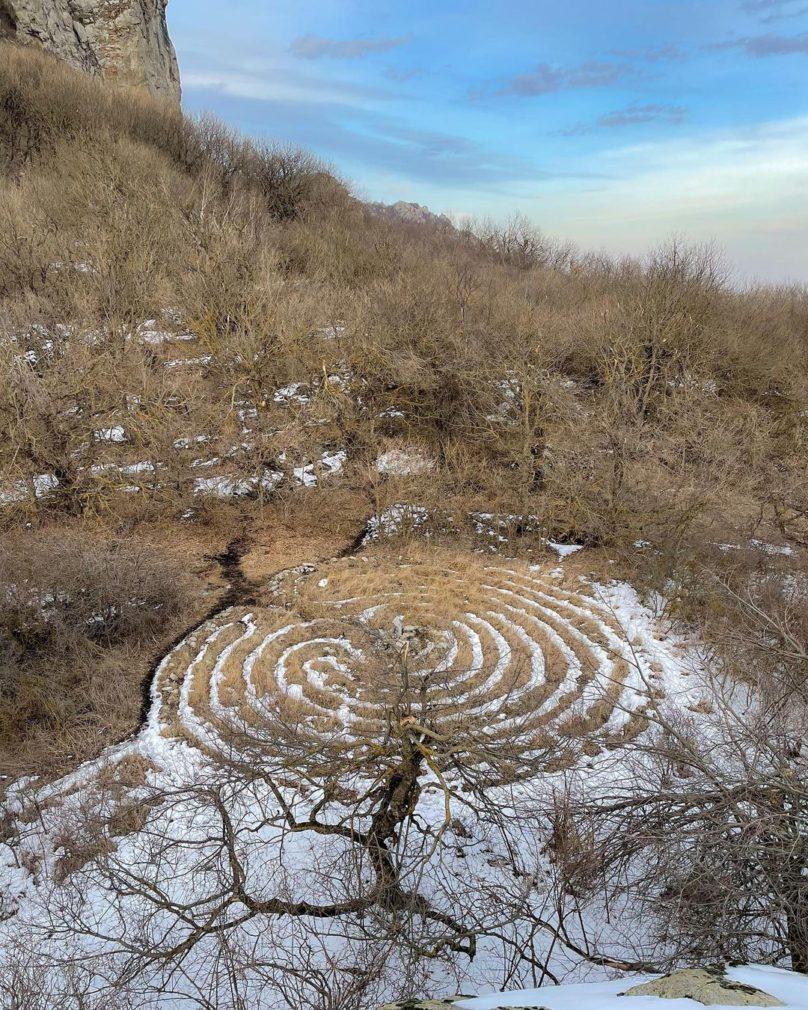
<point x="501" y="649"/>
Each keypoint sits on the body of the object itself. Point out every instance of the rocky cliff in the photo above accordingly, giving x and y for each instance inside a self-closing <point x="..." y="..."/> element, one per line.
<point x="412" y="213"/>
<point x="123" y="41"/>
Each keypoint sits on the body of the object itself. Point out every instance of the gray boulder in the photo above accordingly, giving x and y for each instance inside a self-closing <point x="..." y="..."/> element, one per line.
<point x="709" y="986"/>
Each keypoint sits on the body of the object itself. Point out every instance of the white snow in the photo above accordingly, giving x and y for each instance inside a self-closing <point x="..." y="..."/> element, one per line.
<point x="564" y="550"/>
<point x="404" y="463"/>
<point x="330" y="463"/>
<point x="149" y="332"/>
<point x="783" y="549"/>
<point x="789" y="987"/>
<point x="293" y="393"/>
<point x="99" y="469"/>
<point x="395" y="518"/>
<point x="18" y="491"/>
<point x="114" y="434"/>
<point x="203" y="359"/>
<point x="516" y="606"/>
<point x="235" y="487"/>
<point x="187" y="443"/>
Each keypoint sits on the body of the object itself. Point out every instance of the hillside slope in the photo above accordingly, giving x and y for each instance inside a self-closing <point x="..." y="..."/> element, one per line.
<point x="196" y="327"/>
<point x="385" y="606"/>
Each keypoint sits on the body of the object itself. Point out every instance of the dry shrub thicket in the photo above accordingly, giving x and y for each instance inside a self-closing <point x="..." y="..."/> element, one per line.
<point x="707" y="833"/>
<point x="593" y="400"/>
<point x="76" y="613"/>
<point x="616" y="400"/>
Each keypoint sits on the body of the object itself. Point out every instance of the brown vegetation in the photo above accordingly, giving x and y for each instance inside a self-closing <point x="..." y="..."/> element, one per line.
<point x="79" y="615"/>
<point x="595" y="401"/>
<point x="709" y="831"/>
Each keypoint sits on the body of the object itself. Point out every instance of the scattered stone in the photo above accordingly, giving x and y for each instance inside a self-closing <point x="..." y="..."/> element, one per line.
<point x="281" y="581"/>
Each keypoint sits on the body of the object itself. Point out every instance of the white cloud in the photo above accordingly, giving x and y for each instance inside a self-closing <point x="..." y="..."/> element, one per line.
<point x="279" y="83"/>
<point x="743" y="187"/>
<point x="315" y="47"/>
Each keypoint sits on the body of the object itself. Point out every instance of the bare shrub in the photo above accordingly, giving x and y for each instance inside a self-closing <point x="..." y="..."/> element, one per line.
<point x="59" y="585"/>
<point x="707" y="839"/>
<point x="520" y="244"/>
<point x="598" y="401"/>
<point x="77" y="613"/>
<point x="43" y="102"/>
<point x="376" y="891"/>
<point x="614" y="400"/>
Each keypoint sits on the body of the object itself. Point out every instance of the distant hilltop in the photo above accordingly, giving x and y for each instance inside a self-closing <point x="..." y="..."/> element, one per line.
<point x="125" y="42"/>
<point x="410" y="212"/>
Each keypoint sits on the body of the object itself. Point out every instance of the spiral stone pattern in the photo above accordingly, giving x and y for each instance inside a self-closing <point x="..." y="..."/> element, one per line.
<point x="501" y="653"/>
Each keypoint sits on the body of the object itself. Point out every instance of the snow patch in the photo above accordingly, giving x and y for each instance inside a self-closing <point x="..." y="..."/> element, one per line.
<point x="404" y="463"/>
<point x="789" y="987"/>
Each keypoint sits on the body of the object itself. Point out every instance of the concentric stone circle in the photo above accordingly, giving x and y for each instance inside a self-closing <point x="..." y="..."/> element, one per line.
<point x="501" y="652"/>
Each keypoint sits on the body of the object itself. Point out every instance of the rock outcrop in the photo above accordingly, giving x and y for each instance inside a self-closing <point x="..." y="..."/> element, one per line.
<point x="709" y="986"/>
<point x="125" y="42"/>
<point x="411" y="213"/>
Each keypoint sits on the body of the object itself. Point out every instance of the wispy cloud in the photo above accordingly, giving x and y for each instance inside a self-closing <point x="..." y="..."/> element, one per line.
<point x="653" y="54"/>
<point x="282" y="82"/>
<point x="775" y="10"/>
<point x="315" y="47"/>
<point x="767" y="45"/>
<point x="358" y="136"/>
<point x="743" y="186"/>
<point x="547" y="79"/>
<point x="400" y="76"/>
<point x="634" y="115"/>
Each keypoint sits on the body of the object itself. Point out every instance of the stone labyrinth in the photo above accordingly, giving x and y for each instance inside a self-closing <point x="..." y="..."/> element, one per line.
<point x="498" y="652"/>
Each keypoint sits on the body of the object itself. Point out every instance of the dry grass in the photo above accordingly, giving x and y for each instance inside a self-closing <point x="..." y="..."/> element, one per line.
<point x="595" y="401"/>
<point x="498" y="653"/>
<point x="625" y="400"/>
<point x="84" y="613"/>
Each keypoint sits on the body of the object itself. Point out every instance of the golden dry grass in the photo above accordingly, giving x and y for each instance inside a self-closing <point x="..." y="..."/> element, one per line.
<point x="595" y="401"/>
<point x="450" y="640"/>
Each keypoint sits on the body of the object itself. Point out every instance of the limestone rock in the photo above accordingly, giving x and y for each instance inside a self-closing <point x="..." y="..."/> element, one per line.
<point x="709" y="986"/>
<point x="122" y="41"/>
<point x="411" y="213"/>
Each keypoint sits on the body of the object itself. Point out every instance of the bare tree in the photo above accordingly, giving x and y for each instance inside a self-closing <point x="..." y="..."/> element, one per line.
<point x="326" y="865"/>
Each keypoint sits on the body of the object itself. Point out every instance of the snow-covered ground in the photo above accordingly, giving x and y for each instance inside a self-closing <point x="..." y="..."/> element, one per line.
<point x="148" y="854"/>
<point x="126" y="857"/>
<point x="787" y="986"/>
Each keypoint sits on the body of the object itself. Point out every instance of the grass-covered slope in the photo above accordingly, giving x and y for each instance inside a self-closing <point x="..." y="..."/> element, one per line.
<point x="616" y="400"/>
<point x="204" y="340"/>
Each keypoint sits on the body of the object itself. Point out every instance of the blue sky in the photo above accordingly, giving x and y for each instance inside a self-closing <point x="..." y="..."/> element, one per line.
<point x="615" y="123"/>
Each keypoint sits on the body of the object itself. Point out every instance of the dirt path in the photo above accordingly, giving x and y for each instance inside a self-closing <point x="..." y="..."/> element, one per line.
<point x="276" y="543"/>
